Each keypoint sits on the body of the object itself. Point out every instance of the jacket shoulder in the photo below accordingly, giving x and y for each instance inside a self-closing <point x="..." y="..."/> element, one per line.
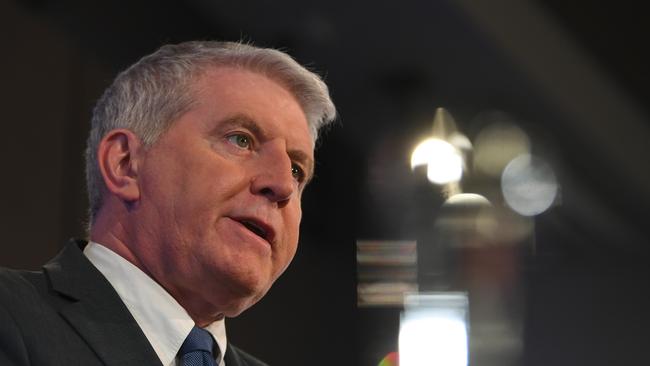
<point x="22" y="295"/>
<point x="19" y="285"/>
<point x="237" y="357"/>
<point x="18" y="298"/>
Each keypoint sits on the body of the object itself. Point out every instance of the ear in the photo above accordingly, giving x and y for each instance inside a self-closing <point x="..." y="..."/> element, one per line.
<point x="117" y="156"/>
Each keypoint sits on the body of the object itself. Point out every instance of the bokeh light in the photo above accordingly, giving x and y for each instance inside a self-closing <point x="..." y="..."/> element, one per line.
<point x="391" y="359"/>
<point x="469" y="218"/>
<point x="529" y="185"/>
<point x="444" y="162"/>
<point x="386" y="269"/>
<point x="496" y="145"/>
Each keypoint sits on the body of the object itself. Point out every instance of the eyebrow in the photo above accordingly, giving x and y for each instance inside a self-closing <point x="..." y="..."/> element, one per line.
<point x="296" y="155"/>
<point x="243" y="121"/>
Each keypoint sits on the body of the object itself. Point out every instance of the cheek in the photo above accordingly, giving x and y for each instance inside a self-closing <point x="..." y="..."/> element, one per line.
<point x="293" y="233"/>
<point x="292" y="219"/>
<point x="209" y="190"/>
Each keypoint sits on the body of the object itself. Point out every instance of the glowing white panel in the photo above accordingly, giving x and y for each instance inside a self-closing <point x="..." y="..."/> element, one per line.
<point x="444" y="162"/>
<point x="529" y="185"/>
<point x="433" y="341"/>
<point x="433" y="331"/>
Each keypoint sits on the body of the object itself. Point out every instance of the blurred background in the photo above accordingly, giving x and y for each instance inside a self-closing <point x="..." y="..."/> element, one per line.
<point x="533" y="207"/>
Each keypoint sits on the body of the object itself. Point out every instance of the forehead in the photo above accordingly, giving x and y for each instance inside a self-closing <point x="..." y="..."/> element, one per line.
<point x="229" y="80"/>
<point x="224" y="92"/>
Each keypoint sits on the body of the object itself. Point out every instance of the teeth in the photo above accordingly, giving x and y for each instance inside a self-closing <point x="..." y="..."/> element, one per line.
<point x="255" y="229"/>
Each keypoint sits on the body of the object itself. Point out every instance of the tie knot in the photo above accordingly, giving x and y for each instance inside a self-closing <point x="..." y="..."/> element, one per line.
<point x="198" y="340"/>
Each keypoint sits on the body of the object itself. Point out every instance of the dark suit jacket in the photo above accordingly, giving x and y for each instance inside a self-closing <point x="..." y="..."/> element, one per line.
<point x="69" y="314"/>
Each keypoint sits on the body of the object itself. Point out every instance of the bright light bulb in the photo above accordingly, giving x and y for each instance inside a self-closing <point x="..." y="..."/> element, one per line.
<point x="422" y="152"/>
<point x="444" y="162"/>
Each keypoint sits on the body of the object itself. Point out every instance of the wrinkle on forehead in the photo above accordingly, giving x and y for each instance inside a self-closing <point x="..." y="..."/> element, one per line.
<point x="200" y="82"/>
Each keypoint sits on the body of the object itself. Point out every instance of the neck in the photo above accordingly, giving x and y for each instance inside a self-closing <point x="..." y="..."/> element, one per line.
<point x="117" y="235"/>
<point x="113" y="235"/>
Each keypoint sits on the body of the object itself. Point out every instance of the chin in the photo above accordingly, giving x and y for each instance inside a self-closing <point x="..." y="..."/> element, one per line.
<point x="243" y="297"/>
<point x="239" y="306"/>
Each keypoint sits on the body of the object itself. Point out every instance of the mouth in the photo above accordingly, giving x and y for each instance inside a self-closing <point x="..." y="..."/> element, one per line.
<point x="258" y="228"/>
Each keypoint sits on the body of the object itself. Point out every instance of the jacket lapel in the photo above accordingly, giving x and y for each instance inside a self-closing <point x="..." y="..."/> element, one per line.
<point x="232" y="358"/>
<point x="95" y="311"/>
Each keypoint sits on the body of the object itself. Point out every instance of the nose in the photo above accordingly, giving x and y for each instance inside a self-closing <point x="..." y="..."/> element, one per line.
<point x="273" y="178"/>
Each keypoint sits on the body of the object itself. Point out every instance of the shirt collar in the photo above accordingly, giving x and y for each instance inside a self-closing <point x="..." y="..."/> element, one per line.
<point x="164" y="322"/>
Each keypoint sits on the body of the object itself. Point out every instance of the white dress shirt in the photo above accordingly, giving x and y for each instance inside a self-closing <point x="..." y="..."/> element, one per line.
<point x="164" y="322"/>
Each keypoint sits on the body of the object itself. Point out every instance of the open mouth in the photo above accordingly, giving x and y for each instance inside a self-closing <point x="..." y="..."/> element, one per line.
<point x="256" y="228"/>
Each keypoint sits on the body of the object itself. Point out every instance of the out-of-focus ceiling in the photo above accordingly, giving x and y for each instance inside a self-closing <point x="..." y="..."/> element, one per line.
<point x="573" y="71"/>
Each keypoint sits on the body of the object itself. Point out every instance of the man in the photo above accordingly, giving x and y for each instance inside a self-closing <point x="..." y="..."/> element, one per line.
<point x="196" y="162"/>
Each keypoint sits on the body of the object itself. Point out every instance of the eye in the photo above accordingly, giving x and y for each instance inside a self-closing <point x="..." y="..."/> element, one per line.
<point x="241" y="140"/>
<point x="298" y="173"/>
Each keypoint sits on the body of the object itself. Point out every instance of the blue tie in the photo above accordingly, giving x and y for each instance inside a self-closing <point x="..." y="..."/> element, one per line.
<point x="197" y="349"/>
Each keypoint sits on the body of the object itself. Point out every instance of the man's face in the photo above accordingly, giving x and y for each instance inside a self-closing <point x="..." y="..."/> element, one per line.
<point x="219" y="210"/>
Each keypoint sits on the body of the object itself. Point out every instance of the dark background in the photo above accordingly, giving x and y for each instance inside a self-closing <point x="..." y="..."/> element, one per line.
<point x="573" y="73"/>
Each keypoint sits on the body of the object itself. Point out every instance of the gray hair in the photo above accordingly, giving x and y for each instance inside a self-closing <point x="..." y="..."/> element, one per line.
<point x="150" y="95"/>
